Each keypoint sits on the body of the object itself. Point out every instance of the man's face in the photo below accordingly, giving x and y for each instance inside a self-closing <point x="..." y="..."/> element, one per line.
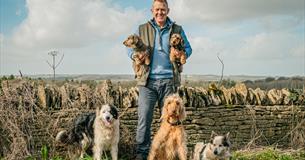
<point x="160" y="11"/>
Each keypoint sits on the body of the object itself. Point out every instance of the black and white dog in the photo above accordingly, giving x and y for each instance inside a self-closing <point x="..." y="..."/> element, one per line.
<point x="94" y="132"/>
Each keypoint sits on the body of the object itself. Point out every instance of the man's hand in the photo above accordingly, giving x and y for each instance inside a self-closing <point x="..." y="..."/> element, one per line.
<point x="141" y="57"/>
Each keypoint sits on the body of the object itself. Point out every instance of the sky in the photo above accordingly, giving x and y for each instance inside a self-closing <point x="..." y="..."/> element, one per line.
<point x="252" y="37"/>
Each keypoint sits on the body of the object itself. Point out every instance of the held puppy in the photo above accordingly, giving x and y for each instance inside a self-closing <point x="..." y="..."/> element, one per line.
<point x="140" y="55"/>
<point x="94" y="132"/>
<point x="177" y="43"/>
<point x="170" y="140"/>
<point x="217" y="149"/>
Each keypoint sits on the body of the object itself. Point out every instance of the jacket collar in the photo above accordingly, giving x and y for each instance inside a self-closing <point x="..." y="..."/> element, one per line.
<point x="168" y="23"/>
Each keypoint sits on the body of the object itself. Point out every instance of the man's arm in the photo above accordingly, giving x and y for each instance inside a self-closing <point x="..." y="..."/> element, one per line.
<point x="129" y="53"/>
<point x="188" y="48"/>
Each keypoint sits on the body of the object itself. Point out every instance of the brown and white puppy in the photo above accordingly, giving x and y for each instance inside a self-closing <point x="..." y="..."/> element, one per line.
<point x="177" y="46"/>
<point x="217" y="149"/>
<point x="94" y="132"/>
<point x="141" y="54"/>
<point x="170" y="140"/>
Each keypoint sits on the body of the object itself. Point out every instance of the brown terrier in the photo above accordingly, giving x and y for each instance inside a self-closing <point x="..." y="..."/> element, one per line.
<point x="140" y="56"/>
<point x="177" y="45"/>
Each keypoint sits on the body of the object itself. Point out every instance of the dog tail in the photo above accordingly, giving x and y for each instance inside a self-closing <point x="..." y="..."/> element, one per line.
<point x="66" y="137"/>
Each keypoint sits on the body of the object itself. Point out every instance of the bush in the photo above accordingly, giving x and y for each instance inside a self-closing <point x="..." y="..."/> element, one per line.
<point x="269" y="79"/>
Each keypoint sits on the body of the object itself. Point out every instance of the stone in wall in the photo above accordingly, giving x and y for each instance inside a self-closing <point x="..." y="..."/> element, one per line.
<point x="251" y="98"/>
<point x="227" y="95"/>
<point x="241" y="93"/>
<point x="275" y="96"/>
<point x="286" y="95"/>
<point x="261" y="97"/>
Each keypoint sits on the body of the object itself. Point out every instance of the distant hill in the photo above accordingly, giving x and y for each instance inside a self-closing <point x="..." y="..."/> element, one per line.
<point x="217" y="77"/>
<point x="128" y="77"/>
<point x="81" y="77"/>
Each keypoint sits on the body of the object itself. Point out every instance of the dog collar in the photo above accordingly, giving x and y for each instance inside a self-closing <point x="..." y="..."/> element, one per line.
<point x="139" y="47"/>
<point x="179" y="48"/>
<point x="175" y="124"/>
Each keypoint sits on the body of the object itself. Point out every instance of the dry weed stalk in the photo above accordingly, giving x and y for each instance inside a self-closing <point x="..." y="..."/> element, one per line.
<point x="20" y="118"/>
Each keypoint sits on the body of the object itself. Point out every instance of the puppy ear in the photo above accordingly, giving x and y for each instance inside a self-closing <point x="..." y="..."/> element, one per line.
<point x="182" y="41"/>
<point x="136" y="38"/>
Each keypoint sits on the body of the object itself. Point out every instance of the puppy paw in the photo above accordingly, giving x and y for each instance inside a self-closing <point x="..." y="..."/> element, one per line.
<point x="147" y="60"/>
<point x="182" y="61"/>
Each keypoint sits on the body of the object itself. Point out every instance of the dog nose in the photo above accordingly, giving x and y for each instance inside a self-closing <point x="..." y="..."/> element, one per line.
<point x="107" y="118"/>
<point x="215" y="152"/>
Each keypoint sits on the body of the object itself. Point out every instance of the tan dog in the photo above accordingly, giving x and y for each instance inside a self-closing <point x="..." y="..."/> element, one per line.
<point x="177" y="43"/>
<point x="170" y="140"/>
<point x="140" y="55"/>
<point x="217" y="149"/>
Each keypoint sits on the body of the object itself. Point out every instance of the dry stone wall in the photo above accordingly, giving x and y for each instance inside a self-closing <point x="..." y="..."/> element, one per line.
<point x="252" y="116"/>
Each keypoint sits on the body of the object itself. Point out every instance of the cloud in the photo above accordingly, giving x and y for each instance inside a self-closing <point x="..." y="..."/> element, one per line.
<point x="72" y="23"/>
<point x="298" y="51"/>
<point x="268" y="53"/>
<point x="224" y="10"/>
<point x="204" y="48"/>
<point x="266" y="35"/>
<point x="270" y="46"/>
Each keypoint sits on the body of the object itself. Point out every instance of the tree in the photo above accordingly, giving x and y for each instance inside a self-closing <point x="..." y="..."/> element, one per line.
<point x="53" y="66"/>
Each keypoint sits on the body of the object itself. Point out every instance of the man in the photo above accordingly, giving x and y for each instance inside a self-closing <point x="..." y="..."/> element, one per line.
<point x="163" y="76"/>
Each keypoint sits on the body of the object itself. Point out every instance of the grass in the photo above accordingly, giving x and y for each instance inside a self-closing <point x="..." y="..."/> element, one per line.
<point x="253" y="154"/>
<point x="269" y="154"/>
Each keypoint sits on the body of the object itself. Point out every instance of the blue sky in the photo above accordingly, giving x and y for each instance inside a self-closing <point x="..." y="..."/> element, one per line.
<point x="252" y="37"/>
<point x="13" y="12"/>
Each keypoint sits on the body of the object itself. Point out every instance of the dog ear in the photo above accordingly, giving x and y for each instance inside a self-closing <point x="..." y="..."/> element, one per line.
<point x="227" y="135"/>
<point x="227" y="142"/>
<point x="182" y="113"/>
<point x="164" y="111"/>
<point x="213" y="135"/>
<point x="136" y="38"/>
<point x="97" y="111"/>
<point x="114" y="111"/>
